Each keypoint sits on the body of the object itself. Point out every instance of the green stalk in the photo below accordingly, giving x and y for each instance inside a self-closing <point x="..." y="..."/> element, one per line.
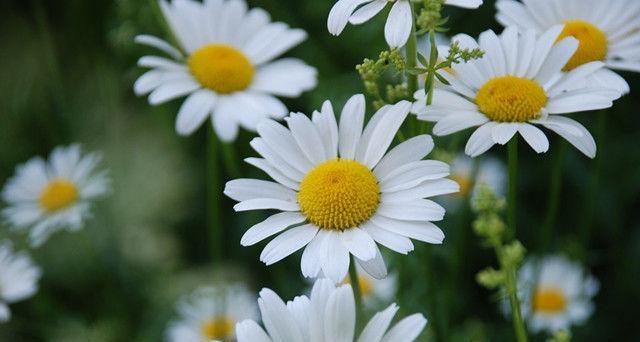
<point x="355" y="285"/>
<point x="433" y="60"/>
<point x="512" y="210"/>
<point x="412" y="58"/>
<point x="516" y="314"/>
<point x="230" y="160"/>
<point x="214" y="197"/>
<point x="594" y="184"/>
<point x="554" y="195"/>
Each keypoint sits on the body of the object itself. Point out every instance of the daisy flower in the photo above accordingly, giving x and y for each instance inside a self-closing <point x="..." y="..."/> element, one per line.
<point x="339" y="192"/>
<point x="556" y="293"/>
<point x="48" y="196"/>
<point x="399" y="22"/>
<point x="210" y="314"/>
<point x="229" y="72"/>
<point x="329" y="315"/>
<point x="606" y="29"/>
<point x="519" y="82"/>
<point x="18" y="278"/>
<point x="491" y="172"/>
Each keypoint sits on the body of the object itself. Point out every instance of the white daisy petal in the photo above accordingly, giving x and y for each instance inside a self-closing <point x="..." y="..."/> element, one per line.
<point x="359" y="243"/>
<point x="287" y="77"/>
<point x="271" y="226"/>
<point x="399" y="23"/>
<point x="266" y="203"/>
<point x="340" y="315"/>
<point x="480" y="141"/>
<point x="249" y="330"/>
<point x="246" y="189"/>
<point x="159" y="44"/>
<point x="287" y="243"/>
<point x="350" y="129"/>
<point x="368" y="11"/>
<point x="421" y="231"/>
<point x="503" y="132"/>
<point x="374" y="267"/>
<point x="583" y="142"/>
<point x="170" y="91"/>
<point x="407" y="330"/>
<point x="380" y="132"/>
<point x="378" y="325"/>
<point x="409" y="151"/>
<point x="335" y="258"/>
<point x="534" y="137"/>
<point x="194" y="111"/>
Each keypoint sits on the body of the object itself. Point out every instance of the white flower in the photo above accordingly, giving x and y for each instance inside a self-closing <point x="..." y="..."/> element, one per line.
<point x="47" y="196"/>
<point x="399" y="22"/>
<point x="518" y="82"/>
<point x="18" y="278"/>
<point x="555" y="293"/>
<point x="211" y="313"/>
<point x="491" y="172"/>
<point x="328" y="316"/>
<point x="229" y="73"/>
<point x="608" y="31"/>
<point x="339" y="192"/>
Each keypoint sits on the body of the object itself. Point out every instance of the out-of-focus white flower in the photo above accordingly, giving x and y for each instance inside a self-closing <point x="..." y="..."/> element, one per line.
<point x="18" y="278"/>
<point x="229" y="73"/>
<point x="211" y="313"/>
<point x="47" y="196"/>
<point x="329" y="315"/>
<point x="399" y="22"/>
<point x="339" y="190"/>
<point x="491" y="172"/>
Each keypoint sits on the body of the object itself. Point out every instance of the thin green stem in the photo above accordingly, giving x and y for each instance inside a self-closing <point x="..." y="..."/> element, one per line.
<point x="512" y="210"/>
<point x="433" y="60"/>
<point x="594" y="184"/>
<point x="214" y="199"/>
<point x="230" y="160"/>
<point x="516" y="313"/>
<point x="554" y="195"/>
<point x="412" y="56"/>
<point x="355" y="285"/>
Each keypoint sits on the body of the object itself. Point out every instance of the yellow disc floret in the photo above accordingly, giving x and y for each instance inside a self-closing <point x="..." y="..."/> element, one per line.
<point x="511" y="99"/>
<point x="339" y="194"/>
<point x="593" y="43"/>
<point x="221" y="68"/>
<point x="220" y="328"/>
<point x="549" y="300"/>
<point x="58" y="194"/>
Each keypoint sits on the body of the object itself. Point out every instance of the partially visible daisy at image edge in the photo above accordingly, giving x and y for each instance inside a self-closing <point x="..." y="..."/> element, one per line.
<point x="229" y="73"/>
<point x="399" y="22"/>
<point x="47" y="196"/>
<point x="340" y="192"/>
<point x="18" y="278"/>
<point x="608" y="31"/>
<point x="211" y="313"/>
<point x="517" y="84"/>
<point x="327" y="315"/>
<point x="555" y="293"/>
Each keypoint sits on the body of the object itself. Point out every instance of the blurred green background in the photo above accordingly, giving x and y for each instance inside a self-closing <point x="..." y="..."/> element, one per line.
<point x="66" y="74"/>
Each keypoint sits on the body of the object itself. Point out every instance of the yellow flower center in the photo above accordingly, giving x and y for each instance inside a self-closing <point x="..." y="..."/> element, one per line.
<point x="549" y="300"/>
<point x="593" y="43"/>
<point x="339" y="194"/>
<point x="219" y="328"/>
<point x="221" y="68"/>
<point x="465" y="184"/>
<point x="58" y="194"/>
<point x="511" y="99"/>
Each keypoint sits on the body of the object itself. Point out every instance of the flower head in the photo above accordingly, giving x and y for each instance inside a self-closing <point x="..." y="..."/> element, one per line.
<point x="328" y="315"/>
<point x="607" y="31"/>
<point x="399" y="22"/>
<point x="555" y="292"/>
<point x="519" y="82"/>
<point x="228" y="73"/>
<point x="211" y="313"/>
<point x="18" y="278"/>
<point x="340" y="192"/>
<point x="47" y="196"/>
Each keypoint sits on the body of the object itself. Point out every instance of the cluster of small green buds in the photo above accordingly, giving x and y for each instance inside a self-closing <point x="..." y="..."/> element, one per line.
<point x="560" y="336"/>
<point x="371" y="71"/>
<point x="430" y="17"/>
<point x="459" y="55"/>
<point x="490" y="278"/>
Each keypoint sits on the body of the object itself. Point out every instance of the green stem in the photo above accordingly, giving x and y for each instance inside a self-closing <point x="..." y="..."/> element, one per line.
<point x="230" y="160"/>
<point x="512" y="210"/>
<point x="516" y="313"/>
<point x="214" y="198"/>
<point x="355" y="285"/>
<point x="594" y="184"/>
<point x="433" y="60"/>
<point x="412" y="56"/>
<point x="554" y="195"/>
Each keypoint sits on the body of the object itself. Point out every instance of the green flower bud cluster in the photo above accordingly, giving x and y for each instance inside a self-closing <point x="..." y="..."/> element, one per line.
<point x="371" y="72"/>
<point x="560" y="336"/>
<point x="430" y="17"/>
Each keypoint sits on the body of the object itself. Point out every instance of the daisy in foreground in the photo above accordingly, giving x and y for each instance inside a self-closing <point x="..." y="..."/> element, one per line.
<point x="329" y="315"/>
<point x="47" y="196"/>
<point x="339" y="192"/>
<point x="399" y="23"/>
<point x="18" y="278"/>
<point x="211" y="313"/>
<point x="519" y="82"/>
<point x="555" y="293"/>
<point x="228" y="73"/>
<point x="607" y="31"/>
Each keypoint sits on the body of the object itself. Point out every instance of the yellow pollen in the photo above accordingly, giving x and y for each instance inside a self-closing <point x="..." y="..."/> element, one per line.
<point x="221" y="68"/>
<point x="339" y="194"/>
<point x="219" y="328"/>
<point x="511" y="99"/>
<point x="549" y="300"/>
<point x="465" y="184"/>
<point x="58" y="194"/>
<point x="593" y="43"/>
